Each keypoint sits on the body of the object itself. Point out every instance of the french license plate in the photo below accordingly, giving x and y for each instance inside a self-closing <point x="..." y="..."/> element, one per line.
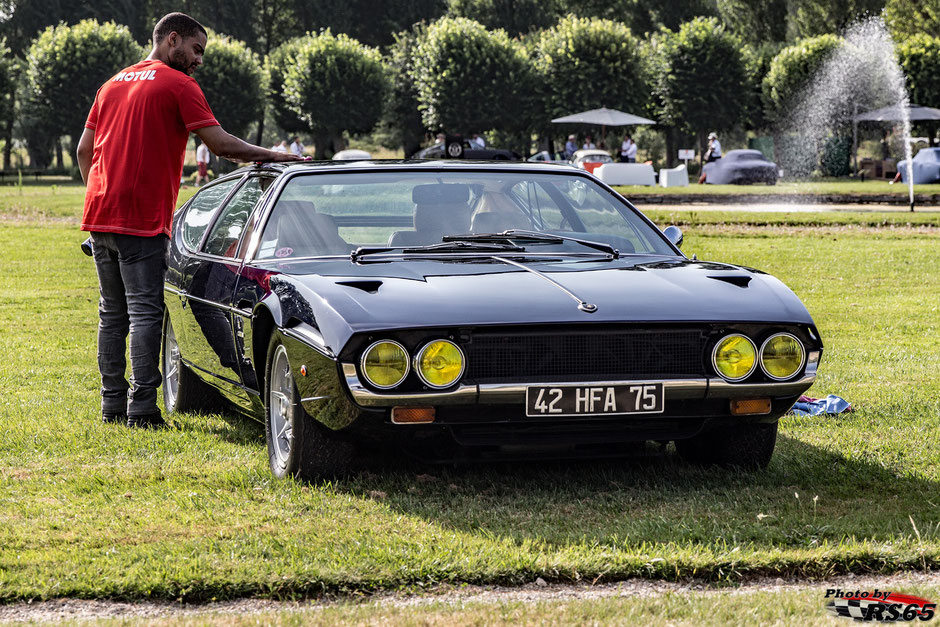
<point x="594" y="400"/>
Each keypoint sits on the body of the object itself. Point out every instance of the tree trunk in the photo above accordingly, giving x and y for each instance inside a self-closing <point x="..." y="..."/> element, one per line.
<point x="8" y="143"/>
<point x="260" y="134"/>
<point x="321" y="144"/>
<point x="671" y="149"/>
<point x="59" y="157"/>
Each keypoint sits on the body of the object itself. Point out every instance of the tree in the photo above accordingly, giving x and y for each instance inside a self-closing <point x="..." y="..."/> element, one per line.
<point x="642" y="16"/>
<point x="590" y="63"/>
<point x="919" y="58"/>
<point x="8" y="77"/>
<point x="402" y="119"/>
<point x="336" y="84"/>
<point x="810" y="18"/>
<point x="470" y="79"/>
<point x="757" y="22"/>
<point x="911" y="17"/>
<point x="791" y="71"/>
<point x="275" y="66"/>
<point x="701" y="77"/>
<point x="67" y="64"/>
<point x="233" y="82"/>
<point x="516" y="17"/>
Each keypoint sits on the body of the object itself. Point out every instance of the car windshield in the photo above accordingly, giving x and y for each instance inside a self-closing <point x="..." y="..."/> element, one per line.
<point x="337" y="213"/>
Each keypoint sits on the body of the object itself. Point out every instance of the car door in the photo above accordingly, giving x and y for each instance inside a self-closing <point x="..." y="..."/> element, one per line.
<point x="212" y="330"/>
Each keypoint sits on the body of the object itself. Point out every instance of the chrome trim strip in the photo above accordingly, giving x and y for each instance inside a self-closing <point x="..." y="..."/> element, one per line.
<point x="311" y="338"/>
<point x="464" y="394"/>
<point x="314" y="398"/>
<point x="720" y="388"/>
<point x="582" y="304"/>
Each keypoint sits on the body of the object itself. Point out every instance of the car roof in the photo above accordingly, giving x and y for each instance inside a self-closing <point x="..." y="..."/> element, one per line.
<point x="416" y="165"/>
<point x="590" y="151"/>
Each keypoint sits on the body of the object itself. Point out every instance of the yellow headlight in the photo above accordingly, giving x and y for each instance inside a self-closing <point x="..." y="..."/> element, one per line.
<point x="781" y="356"/>
<point x="735" y="357"/>
<point x="440" y="363"/>
<point x="385" y="364"/>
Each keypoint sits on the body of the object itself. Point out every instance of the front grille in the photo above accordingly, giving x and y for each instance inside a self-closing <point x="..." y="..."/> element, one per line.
<point x="585" y="355"/>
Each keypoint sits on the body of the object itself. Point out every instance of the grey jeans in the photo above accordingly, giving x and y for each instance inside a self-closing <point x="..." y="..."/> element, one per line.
<point x="131" y="271"/>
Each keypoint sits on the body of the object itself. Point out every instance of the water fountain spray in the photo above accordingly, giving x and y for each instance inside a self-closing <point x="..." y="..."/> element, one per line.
<point x="861" y="75"/>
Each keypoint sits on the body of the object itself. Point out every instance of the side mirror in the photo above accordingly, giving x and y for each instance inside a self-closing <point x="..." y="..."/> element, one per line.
<point x="674" y="235"/>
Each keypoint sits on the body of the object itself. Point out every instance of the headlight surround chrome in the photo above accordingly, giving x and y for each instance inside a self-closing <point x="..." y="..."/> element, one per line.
<point x="782" y="356"/>
<point x="734" y="357"/>
<point x="385" y="364"/>
<point x="440" y="364"/>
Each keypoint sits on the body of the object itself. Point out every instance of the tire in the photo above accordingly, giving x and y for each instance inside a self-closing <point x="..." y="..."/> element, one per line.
<point x="298" y="445"/>
<point x="748" y="446"/>
<point x="183" y="391"/>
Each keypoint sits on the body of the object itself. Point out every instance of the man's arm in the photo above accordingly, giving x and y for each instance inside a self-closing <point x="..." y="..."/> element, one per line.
<point x="229" y="147"/>
<point x="85" y="151"/>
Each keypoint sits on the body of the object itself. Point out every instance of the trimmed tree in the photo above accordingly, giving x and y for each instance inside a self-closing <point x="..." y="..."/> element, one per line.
<point x="275" y="65"/>
<point x="470" y="79"/>
<point x="906" y="18"/>
<point x="8" y="76"/>
<point x="702" y="76"/>
<point x="232" y="79"/>
<point x="919" y="58"/>
<point x="401" y="120"/>
<point x="335" y="85"/>
<point x="67" y="64"/>
<point x="591" y="63"/>
<point x="792" y="70"/>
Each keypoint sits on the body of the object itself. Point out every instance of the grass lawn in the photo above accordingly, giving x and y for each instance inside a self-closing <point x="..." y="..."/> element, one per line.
<point x="88" y="510"/>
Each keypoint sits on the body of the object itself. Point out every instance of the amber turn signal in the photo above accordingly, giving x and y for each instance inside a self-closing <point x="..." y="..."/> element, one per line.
<point x="412" y="415"/>
<point x="750" y="406"/>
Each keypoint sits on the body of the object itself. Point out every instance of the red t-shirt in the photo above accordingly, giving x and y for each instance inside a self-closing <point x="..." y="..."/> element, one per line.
<point x="142" y="119"/>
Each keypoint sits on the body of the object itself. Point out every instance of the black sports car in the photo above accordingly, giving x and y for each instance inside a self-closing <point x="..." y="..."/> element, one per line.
<point x="457" y="148"/>
<point x="463" y="309"/>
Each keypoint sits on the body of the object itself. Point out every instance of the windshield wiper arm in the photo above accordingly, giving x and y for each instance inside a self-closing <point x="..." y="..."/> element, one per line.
<point x="523" y="235"/>
<point x="446" y="246"/>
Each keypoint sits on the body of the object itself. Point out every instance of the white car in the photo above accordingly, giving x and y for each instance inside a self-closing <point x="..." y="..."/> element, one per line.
<point x="593" y="155"/>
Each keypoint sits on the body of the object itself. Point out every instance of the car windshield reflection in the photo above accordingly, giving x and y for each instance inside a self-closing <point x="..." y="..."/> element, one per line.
<point x="338" y="213"/>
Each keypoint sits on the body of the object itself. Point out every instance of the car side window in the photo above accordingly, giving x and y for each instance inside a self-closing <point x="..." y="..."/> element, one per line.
<point x="200" y="211"/>
<point x="228" y="227"/>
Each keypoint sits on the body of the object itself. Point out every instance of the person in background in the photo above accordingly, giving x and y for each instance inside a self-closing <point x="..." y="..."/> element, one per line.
<point x="588" y="144"/>
<point x="477" y="141"/>
<point x="281" y="147"/>
<point x="571" y="146"/>
<point x="628" y="150"/>
<point x="296" y="148"/>
<point x="202" y="164"/>
<point x="130" y="156"/>
<point x="713" y="153"/>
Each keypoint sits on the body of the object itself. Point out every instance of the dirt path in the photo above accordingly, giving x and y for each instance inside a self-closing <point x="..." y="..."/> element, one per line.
<point x="75" y="609"/>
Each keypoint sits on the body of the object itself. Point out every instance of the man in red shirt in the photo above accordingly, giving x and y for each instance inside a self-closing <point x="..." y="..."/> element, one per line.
<point x="131" y="158"/>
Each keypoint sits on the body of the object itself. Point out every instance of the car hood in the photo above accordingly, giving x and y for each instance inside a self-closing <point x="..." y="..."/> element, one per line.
<point x="347" y="297"/>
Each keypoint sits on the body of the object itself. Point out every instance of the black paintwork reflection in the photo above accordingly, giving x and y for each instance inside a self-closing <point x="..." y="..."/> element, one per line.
<point x="336" y="410"/>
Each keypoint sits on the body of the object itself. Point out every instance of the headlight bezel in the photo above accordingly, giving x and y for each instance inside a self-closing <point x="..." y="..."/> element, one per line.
<point x="714" y="359"/>
<point x="416" y="363"/>
<point x="799" y="369"/>
<point x="365" y="355"/>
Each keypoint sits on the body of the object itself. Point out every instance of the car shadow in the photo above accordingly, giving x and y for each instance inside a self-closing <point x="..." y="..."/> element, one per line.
<point x="808" y="496"/>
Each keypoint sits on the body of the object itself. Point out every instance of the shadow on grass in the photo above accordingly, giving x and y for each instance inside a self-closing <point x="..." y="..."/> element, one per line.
<point x="808" y="498"/>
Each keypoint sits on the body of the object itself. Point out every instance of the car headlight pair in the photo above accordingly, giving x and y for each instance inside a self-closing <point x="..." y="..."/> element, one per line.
<point x="781" y="356"/>
<point x="439" y="364"/>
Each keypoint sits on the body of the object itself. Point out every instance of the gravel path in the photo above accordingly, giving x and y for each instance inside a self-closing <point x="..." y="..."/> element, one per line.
<point x="75" y="609"/>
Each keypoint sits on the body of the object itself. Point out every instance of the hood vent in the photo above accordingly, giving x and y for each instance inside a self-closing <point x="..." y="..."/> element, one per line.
<point x="741" y="280"/>
<point x="370" y="287"/>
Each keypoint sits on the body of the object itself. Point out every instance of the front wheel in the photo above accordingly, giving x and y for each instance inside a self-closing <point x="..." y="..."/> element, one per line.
<point x="298" y="445"/>
<point x="183" y="391"/>
<point x="747" y="446"/>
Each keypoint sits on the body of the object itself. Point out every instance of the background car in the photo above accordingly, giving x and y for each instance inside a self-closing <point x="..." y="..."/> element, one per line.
<point x="351" y="154"/>
<point x="464" y="310"/>
<point x="738" y="167"/>
<point x="548" y="157"/>
<point x="467" y="150"/>
<point x="925" y="165"/>
<point x="590" y="159"/>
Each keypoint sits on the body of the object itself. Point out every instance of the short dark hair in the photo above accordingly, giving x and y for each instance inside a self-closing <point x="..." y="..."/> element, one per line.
<point x="180" y="23"/>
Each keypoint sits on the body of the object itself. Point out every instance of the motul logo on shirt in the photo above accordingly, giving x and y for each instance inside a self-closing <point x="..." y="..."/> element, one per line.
<point x="127" y="77"/>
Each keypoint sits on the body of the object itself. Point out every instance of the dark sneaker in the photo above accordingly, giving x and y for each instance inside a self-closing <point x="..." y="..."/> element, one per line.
<point x="147" y="421"/>
<point x="113" y="418"/>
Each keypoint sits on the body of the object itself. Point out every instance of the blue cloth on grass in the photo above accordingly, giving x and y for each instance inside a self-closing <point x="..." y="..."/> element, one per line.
<point x="832" y="404"/>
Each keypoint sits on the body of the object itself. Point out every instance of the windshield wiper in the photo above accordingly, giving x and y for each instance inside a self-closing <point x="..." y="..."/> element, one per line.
<point x="522" y="235"/>
<point x="446" y="246"/>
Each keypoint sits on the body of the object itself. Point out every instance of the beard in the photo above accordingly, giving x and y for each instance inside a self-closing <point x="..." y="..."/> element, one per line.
<point x="178" y="61"/>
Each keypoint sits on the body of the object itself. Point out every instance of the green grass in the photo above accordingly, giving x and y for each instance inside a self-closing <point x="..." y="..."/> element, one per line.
<point x="88" y="510"/>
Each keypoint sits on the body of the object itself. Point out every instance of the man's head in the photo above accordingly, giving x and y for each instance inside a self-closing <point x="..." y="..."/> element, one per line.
<point x="712" y="136"/>
<point x="571" y="138"/>
<point x="179" y="41"/>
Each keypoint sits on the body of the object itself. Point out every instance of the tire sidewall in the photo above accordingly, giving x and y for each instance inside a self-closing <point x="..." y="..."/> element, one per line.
<point x="291" y="465"/>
